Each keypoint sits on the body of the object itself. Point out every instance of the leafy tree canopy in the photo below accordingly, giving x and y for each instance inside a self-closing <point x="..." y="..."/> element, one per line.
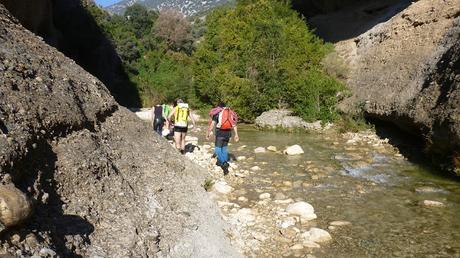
<point x="261" y="55"/>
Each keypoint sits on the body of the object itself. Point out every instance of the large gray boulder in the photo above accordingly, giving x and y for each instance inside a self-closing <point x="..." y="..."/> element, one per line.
<point x="101" y="183"/>
<point x="406" y="71"/>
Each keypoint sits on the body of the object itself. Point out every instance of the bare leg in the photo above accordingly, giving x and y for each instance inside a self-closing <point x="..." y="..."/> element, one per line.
<point x="177" y="139"/>
<point x="182" y="143"/>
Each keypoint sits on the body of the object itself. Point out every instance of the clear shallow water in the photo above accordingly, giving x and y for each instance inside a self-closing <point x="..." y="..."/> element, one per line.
<point x="378" y="192"/>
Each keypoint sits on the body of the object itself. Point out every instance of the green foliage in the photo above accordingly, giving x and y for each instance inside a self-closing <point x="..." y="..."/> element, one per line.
<point x="255" y="56"/>
<point x="160" y="70"/>
<point x="261" y="55"/>
<point x="165" y="77"/>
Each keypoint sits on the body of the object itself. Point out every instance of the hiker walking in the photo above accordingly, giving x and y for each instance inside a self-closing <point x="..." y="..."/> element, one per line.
<point x="159" y="117"/>
<point x="224" y="120"/>
<point x="181" y="114"/>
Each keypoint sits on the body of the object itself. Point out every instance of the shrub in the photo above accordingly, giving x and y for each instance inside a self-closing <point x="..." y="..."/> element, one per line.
<point x="260" y="55"/>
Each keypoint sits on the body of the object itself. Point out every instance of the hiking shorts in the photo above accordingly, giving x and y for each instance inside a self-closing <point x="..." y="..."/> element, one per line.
<point x="180" y="129"/>
<point x="222" y="141"/>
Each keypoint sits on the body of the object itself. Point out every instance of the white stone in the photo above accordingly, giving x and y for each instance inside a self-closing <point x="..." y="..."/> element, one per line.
<point x="245" y="215"/>
<point x="429" y="203"/>
<point x="272" y="148"/>
<point x="297" y="247"/>
<point x="340" y="223"/>
<point x="302" y="209"/>
<point x="255" y="168"/>
<point x="241" y="158"/>
<point x="259" y="150"/>
<point x="316" y="235"/>
<point x="289" y="221"/>
<point x="293" y="150"/>
<point x="222" y="187"/>
<point x="240" y="175"/>
<point x="264" y="196"/>
<point x="206" y="146"/>
<point x="242" y="199"/>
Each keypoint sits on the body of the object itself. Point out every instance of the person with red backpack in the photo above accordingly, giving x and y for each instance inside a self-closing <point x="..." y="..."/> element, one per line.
<point x="224" y="120"/>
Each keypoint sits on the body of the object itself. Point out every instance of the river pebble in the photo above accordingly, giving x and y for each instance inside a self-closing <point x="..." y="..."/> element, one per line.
<point x="340" y="223"/>
<point x="241" y="158"/>
<point x="293" y="150"/>
<point x="259" y="150"/>
<point x="255" y="168"/>
<point x="272" y="148"/>
<point x="222" y="187"/>
<point x="429" y="203"/>
<point x="264" y="196"/>
<point x="302" y="209"/>
<point x="242" y="199"/>
<point x="316" y="235"/>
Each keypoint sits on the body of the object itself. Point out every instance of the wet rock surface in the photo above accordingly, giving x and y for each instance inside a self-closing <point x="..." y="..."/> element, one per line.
<point x="100" y="182"/>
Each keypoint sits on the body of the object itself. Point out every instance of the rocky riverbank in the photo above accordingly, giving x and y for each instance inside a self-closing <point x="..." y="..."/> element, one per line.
<point x="266" y="218"/>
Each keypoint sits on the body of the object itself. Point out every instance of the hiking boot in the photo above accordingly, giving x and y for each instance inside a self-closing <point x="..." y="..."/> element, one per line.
<point x="225" y="167"/>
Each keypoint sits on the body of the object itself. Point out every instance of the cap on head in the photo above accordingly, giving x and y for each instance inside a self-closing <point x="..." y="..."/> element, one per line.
<point x="180" y="101"/>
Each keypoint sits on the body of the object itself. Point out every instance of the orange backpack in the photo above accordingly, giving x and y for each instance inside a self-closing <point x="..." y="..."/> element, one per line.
<point x="226" y="119"/>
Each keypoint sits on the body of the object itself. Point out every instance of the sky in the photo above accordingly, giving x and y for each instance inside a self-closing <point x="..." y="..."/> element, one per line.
<point x="105" y="3"/>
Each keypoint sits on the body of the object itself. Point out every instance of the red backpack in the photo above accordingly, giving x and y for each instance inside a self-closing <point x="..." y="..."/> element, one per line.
<point x="227" y="119"/>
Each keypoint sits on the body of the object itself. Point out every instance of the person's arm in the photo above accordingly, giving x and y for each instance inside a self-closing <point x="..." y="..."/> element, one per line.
<point x="210" y="128"/>
<point x="236" y="137"/>
<point x="171" y="114"/>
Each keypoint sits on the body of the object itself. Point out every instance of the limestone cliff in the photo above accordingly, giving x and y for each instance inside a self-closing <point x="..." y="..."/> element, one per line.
<point x="404" y="67"/>
<point x="100" y="182"/>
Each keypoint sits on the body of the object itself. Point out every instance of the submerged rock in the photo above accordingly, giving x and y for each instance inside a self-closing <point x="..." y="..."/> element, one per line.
<point x="259" y="150"/>
<point x="272" y="148"/>
<point x="429" y="203"/>
<point x="340" y="223"/>
<point x="293" y="150"/>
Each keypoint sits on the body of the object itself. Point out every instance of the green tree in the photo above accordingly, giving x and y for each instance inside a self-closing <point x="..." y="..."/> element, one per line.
<point x="261" y="55"/>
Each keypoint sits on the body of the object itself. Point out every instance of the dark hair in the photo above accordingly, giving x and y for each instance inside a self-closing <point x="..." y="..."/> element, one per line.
<point x="221" y="104"/>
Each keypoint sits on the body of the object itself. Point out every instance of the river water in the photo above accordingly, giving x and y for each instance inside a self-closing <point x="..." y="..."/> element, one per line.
<point x="358" y="179"/>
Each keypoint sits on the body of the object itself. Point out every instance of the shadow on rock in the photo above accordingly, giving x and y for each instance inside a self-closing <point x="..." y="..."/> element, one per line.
<point x="49" y="228"/>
